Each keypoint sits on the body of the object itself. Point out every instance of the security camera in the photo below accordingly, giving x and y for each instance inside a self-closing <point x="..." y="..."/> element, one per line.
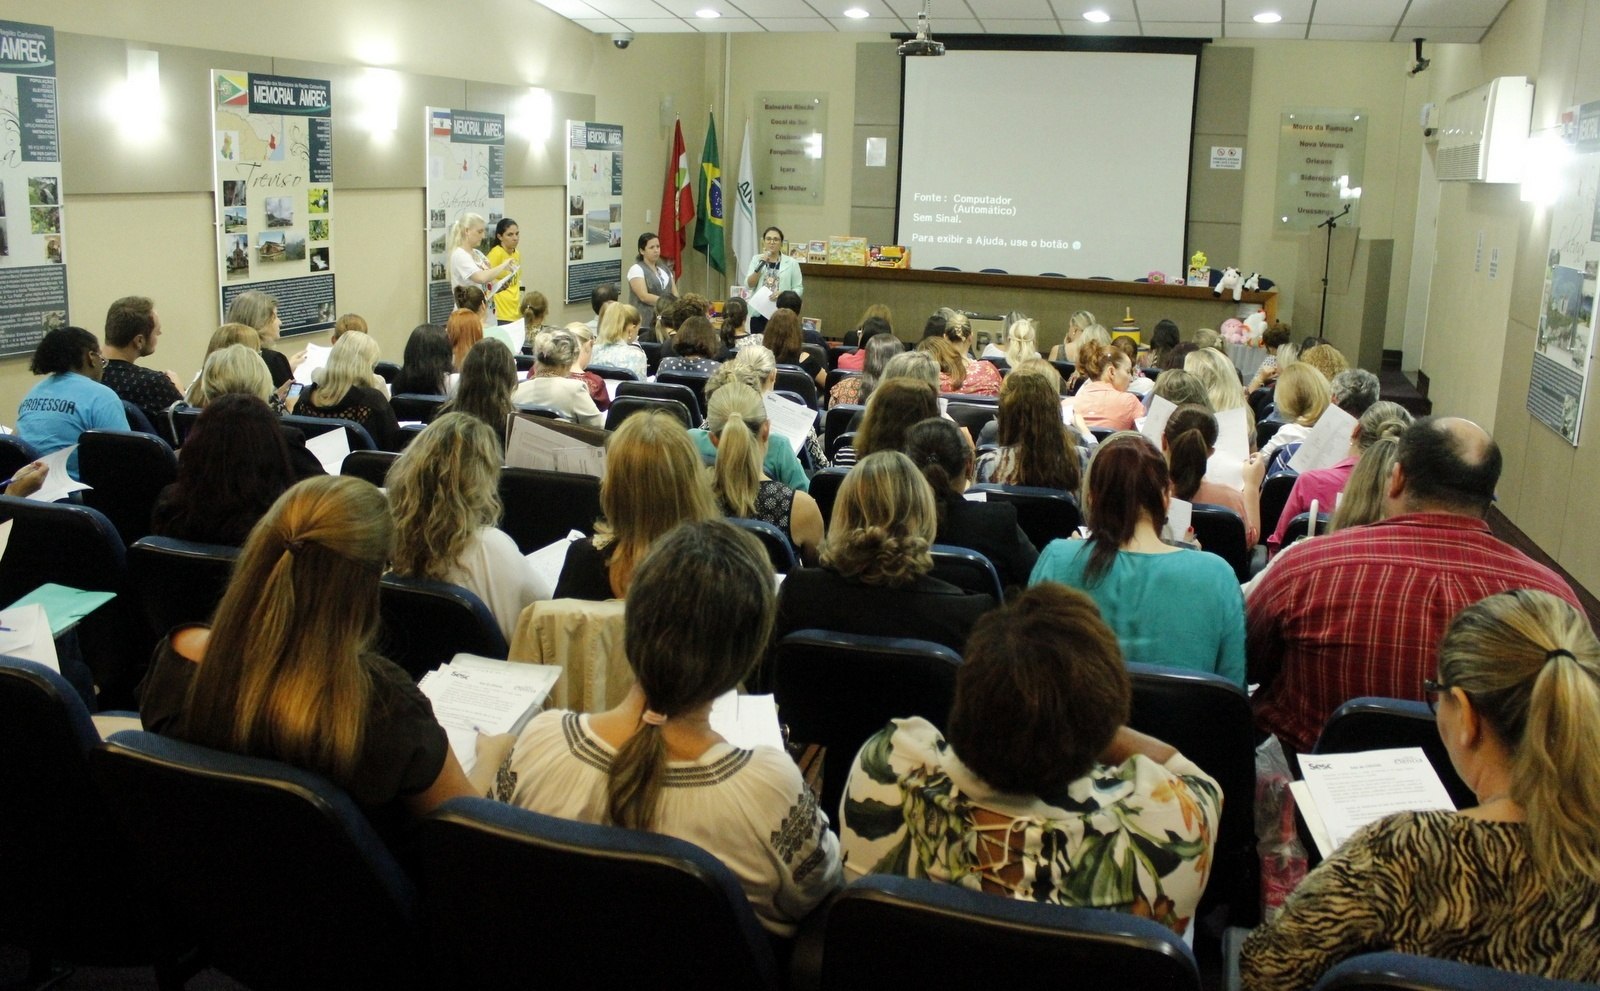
<point x="1421" y="64"/>
<point x="622" y="41"/>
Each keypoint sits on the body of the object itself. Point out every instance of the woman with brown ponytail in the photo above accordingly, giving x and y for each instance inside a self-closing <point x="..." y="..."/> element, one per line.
<point x="1511" y="882"/>
<point x="698" y="618"/>
<point x="1188" y="441"/>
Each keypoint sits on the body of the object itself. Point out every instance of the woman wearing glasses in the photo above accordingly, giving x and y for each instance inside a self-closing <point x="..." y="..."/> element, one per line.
<point x="1510" y="883"/>
<point x="71" y="399"/>
<point x="772" y="268"/>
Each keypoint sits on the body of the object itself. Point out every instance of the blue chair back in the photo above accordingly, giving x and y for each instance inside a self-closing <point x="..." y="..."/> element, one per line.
<point x="652" y="355"/>
<point x="547" y="412"/>
<point x="694" y="382"/>
<point x="542" y="507"/>
<point x="837" y="421"/>
<point x="968" y="570"/>
<point x="825" y="489"/>
<point x="1043" y="514"/>
<point x="488" y="869"/>
<point x="1369" y="723"/>
<point x="1275" y="491"/>
<point x="793" y="378"/>
<point x="313" y="426"/>
<point x="415" y="406"/>
<point x="386" y="370"/>
<point x="614" y="373"/>
<point x="371" y="466"/>
<point x="180" y="420"/>
<point x="137" y="420"/>
<point x="1301" y="525"/>
<point x="1221" y="532"/>
<point x="178" y="581"/>
<point x="426" y="622"/>
<point x="1404" y="972"/>
<point x="15" y="454"/>
<point x="669" y="389"/>
<point x="128" y="470"/>
<point x="623" y="407"/>
<point x="275" y="870"/>
<point x="780" y="550"/>
<point x="973" y="416"/>
<point x="884" y="931"/>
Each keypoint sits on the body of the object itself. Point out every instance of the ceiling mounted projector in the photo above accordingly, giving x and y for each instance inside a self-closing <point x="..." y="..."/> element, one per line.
<point x="922" y="44"/>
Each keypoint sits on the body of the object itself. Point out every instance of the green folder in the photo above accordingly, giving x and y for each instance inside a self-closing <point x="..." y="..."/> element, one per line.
<point x="64" y="606"/>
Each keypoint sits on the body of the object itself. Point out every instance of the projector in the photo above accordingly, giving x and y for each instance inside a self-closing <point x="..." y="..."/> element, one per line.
<point x="921" y="44"/>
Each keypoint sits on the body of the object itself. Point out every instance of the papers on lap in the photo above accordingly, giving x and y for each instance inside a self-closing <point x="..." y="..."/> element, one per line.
<point x="57" y="483"/>
<point x="532" y="445"/>
<point x="747" y="721"/>
<point x="1328" y="442"/>
<point x="546" y="563"/>
<point x="1341" y="793"/>
<point x="472" y="695"/>
<point x="63" y="605"/>
<point x="331" y="447"/>
<point x="789" y="420"/>
<point x="25" y="633"/>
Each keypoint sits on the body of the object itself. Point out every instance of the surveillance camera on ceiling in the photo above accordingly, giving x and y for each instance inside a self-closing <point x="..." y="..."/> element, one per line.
<point x="1421" y="64"/>
<point x="622" y="41"/>
<point x="922" y="44"/>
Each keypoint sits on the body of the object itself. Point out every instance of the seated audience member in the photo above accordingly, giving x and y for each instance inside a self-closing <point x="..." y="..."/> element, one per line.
<point x="1188" y="441"/>
<point x="425" y="369"/>
<point x="1067" y="350"/>
<point x="653" y="763"/>
<point x="875" y="569"/>
<point x="1174" y="359"/>
<point x="1180" y="388"/>
<point x="1163" y="338"/>
<point x="1360" y="611"/>
<point x="1325" y="358"/>
<point x="238" y="369"/>
<point x="1510" y="883"/>
<point x="934" y="326"/>
<point x="654" y="480"/>
<point x="343" y="390"/>
<point x="70" y="398"/>
<point x="736" y="335"/>
<point x="896" y="405"/>
<point x="484" y="390"/>
<point x="857" y="338"/>
<point x="782" y="338"/>
<point x="871" y="326"/>
<point x="1039" y="791"/>
<point x="1301" y="397"/>
<point x="232" y="467"/>
<point x="465" y="327"/>
<point x="224" y="336"/>
<point x="1104" y="400"/>
<point x="1323" y="485"/>
<point x="1221" y="379"/>
<point x="1354" y="390"/>
<point x="1036" y="448"/>
<point x="132" y="330"/>
<point x="1020" y="344"/>
<point x="737" y="423"/>
<point x="535" y="307"/>
<point x="697" y="347"/>
<point x="1280" y="355"/>
<point x="977" y="378"/>
<point x="1136" y="578"/>
<point x="601" y="297"/>
<point x="952" y="369"/>
<point x="552" y="384"/>
<point x="1093" y="336"/>
<point x="1208" y="339"/>
<point x="445" y="494"/>
<point x="944" y="457"/>
<point x="346" y="323"/>
<point x="618" y="348"/>
<point x="288" y="670"/>
<point x="918" y="366"/>
<point x="754" y="368"/>
<point x="880" y="349"/>
<point x="1137" y="383"/>
<point x="580" y="366"/>
<point x="258" y="310"/>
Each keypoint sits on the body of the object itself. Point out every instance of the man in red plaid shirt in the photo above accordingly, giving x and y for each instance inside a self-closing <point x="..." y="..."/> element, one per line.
<point x="1362" y="611"/>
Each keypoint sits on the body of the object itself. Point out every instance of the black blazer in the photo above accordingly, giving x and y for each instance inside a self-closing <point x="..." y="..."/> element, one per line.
<point x="278" y="365"/>
<point x="927" y="609"/>
<point x="991" y="529"/>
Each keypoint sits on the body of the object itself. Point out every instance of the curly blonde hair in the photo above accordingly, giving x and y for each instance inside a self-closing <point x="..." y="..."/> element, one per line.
<point x="441" y="490"/>
<point x="884" y="522"/>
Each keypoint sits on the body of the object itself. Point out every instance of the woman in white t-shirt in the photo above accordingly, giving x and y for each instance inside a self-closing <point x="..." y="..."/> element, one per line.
<point x="468" y="266"/>
<point x="649" y="280"/>
<point x="699" y="612"/>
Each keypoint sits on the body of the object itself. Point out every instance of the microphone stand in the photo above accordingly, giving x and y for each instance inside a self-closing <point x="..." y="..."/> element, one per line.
<point x="1327" y="259"/>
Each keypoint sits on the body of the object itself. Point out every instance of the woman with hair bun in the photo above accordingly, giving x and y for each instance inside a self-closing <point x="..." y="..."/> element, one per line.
<point x="697" y="620"/>
<point x="1188" y="441"/>
<point x="938" y="449"/>
<point x="1134" y="576"/>
<point x="1510" y="883"/>
<point x="736" y="421"/>
<point x="1381" y="420"/>
<point x="1104" y="399"/>
<point x="875" y="569"/>
<point x="552" y="384"/>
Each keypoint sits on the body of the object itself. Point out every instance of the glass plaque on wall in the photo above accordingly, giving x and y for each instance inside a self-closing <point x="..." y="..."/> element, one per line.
<point x="1321" y="161"/>
<point x="789" y="136"/>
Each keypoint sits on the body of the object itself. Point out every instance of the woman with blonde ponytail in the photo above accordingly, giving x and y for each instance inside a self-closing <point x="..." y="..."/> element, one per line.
<point x="875" y="569"/>
<point x="288" y="669"/>
<point x="736" y="421"/>
<point x="698" y="618"/>
<point x="1510" y="883"/>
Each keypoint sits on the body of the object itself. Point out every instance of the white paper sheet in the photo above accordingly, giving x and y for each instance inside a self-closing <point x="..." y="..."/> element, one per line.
<point x="530" y="445"/>
<point x="25" y="633"/>
<point x="489" y="696"/>
<point x="1351" y="790"/>
<point x="57" y="483"/>
<point x="545" y="564"/>
<point x="1233" y="433"/>
<point x="789" y="420"/>
<point x="331" y="448"/>
<point x="316" y="361"/>
<point x="1155" y="421"/>
<point x="1066" y="412"/>
<point x="747" y="721"/>
<point x="1179" y="515"/>
<point x="611" y="387"/>
<point x="1224" y="469"/>
<point x="979" y="495"/>
<point x="761" y="301"/>
<point x="1328" y="442"/>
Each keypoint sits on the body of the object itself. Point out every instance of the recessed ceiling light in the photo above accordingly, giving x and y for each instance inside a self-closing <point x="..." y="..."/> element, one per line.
<point x="707" y="14"/>
<point x="1097" y="16"/>
<point x="1268" y="17"/>
<point x="856" y="14"/>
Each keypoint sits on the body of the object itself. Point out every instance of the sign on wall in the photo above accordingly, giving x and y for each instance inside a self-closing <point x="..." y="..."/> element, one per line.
<point x="33" y="274"/>
<point x="1559" y="381"/>
<point x="272" y="164"/>
<point x="466" y="174"/>
<point x="789" y="133"/>
<point x="593" y="218"/>
<point x="1321" y="161"/>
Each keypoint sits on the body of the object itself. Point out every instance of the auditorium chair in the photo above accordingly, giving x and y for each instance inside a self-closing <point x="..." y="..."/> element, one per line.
<point x="1390" y="971"/>
<point x="1066" y="368"/>
<point x="694" y="383"/>
<point x="1043" y="514"/>
<point x="838" y="420"/>
<point x="652" y="355"/>
<point x="179" y="421"/>
<point x="665" y="389"/>
<point x="793" y="378"/>
<point x="1369" y="723"/>
<point x="511" y="894"/>
<point x="1208" y="719"/>
<point x="886" y="931"/>
<point x="274" y="870"/>
<point x="819" y="352"/>
<point x="426" y="623"/>
<point x="371" y="466"/>
<point x="780" y="550"/>
<point x="314" y="426"/>
<point x="844" y="440"/>
<point x="1057" y="275"/>
<point x="127" y="470"/>
<point x="615" y="374"/>
<point x="524" y="362"/>
<point x="415" y="406"/>
<point x="545" y="412"/>
<point x="1275" y="491"/>
<point x="973" y="416"/>
<point x="946" y="268"/>
<point x="623" y="407"/>
<point x="15" y="454"/>
<point x="968" y="570"/>
<point x="1220" y="531"/>
<point x="1002" y="364"/>
<point x="178" y="581"/>
<point x="1301" y="525"/>
<point x="825" y="489"/>
<point x="542" y="507"/>
<point x="835" y="376"/>
<point x="138" y="421"/>
<point x="837" y="689"/>
<point x="1266" y="430"/>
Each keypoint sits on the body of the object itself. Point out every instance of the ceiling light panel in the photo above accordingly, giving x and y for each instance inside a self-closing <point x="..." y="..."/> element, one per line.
<point x="1293" y="11"/>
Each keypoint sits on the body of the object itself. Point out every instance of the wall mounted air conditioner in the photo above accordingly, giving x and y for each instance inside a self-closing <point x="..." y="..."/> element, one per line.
<point x="1483" y="132"/>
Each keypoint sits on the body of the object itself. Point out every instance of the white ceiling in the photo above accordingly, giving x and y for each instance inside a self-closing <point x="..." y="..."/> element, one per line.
<point x="1445" y="21"/>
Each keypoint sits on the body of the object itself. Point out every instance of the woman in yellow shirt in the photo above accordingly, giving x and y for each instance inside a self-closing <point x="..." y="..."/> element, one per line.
<point x="508" y="301"/>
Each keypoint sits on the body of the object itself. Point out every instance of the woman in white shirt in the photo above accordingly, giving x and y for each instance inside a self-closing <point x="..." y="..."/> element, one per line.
<point x="467" y="264"/>
<point x="1301" y="397"/>
<point x="445" y="495"/>
<point x="774" y="269"/>
<point x="699" y="613"/>
<point x="552" y="384"/>
<point x="649" y="280"/>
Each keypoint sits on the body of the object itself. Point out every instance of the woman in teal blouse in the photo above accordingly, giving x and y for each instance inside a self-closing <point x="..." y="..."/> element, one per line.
<point x="1169" y="605"/>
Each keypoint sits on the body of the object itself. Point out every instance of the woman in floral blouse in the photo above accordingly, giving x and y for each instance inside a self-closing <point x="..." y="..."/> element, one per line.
<point x="1052" y="798"/>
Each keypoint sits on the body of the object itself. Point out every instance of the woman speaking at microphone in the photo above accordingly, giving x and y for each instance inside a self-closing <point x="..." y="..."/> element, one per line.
<point x="772" y="268"/>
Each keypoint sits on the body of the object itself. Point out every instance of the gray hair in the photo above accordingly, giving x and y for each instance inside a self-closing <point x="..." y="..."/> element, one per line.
<point x="556" y="348"/>
<point x="917" y="365"/>
<point x="1355" y="390"/>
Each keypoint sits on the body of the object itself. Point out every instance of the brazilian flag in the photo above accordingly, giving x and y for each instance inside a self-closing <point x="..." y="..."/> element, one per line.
<point x="708" y="226"/>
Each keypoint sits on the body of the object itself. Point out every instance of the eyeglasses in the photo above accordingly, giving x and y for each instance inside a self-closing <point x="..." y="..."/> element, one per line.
<point x="1434" y="690"/>
<point x="772" y="237"/>
<point x="98" y="358"/>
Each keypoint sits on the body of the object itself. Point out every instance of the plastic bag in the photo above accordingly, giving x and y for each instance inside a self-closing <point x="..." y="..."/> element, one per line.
<point x="1283" y="857"/>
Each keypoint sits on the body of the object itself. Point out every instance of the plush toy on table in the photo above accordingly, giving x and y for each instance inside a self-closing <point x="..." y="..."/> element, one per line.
<point x="1253" y="283"/>
<point x="1156" y="278"/>
<point x="1199" y="269"/>
<point x="1232" y="279"/>
<point x="1256" y="323"/>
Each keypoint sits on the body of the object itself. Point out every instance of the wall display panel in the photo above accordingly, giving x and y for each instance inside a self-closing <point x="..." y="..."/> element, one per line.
<point x="33" y="272"/>
<point x="272" y="164"/>
<point x="1321" y="162"/>
<point x="466" y="174"/>
<point x="593" y="220"/>
<point x="1032" y="161"/>
<point x="789" y="153"/>
<point x="1559" y="382"/>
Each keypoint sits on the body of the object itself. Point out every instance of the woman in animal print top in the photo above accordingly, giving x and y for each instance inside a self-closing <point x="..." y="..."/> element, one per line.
<point x="1511" y="883"/>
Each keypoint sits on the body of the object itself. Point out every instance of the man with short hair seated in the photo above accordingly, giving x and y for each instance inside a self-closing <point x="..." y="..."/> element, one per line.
<point x="1361" y="611"/>
<point x="132" y="329"/>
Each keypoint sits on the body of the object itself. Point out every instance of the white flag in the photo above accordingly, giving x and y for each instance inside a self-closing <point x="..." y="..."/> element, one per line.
<point x="745" y="245"/>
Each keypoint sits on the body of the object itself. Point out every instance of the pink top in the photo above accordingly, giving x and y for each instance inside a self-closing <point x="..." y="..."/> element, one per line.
<point x="855" y="361"/>
<point x="1101" y="405"/>
<point x="1321" y="484"/>
<point x="1220" y="495"/>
